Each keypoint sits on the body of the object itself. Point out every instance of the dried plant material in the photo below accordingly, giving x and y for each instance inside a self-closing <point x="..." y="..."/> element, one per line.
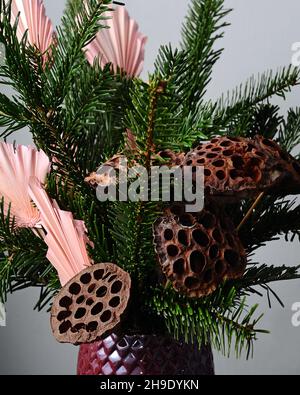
<point x="169" y="158"/>
<point x="106" y="175"/>
<point x="91" y="304"/>
<point x="66" y="238"/>
<point x="17" y="165"/>
<point x="33" y="19"/>
<point x="121" y="44"/>
<point x="197" y="252"/>
<point x="240" y="168"/>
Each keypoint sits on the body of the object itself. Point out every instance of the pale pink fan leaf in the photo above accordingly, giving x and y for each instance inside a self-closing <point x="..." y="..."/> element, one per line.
<point x="66" y="238"/>
<point x="17" y="165"/>
<point x="121" y="44"/>
<point x="33" y="19"/>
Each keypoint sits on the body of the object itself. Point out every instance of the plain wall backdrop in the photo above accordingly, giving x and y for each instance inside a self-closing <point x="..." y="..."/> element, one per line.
<point x="260" y="38"/>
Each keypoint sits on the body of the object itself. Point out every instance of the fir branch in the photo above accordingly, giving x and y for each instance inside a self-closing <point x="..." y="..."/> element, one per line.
<point x="79" y="26"/>
<point x="156" y="88"/>
<point x="22" y="66"/>
<point x="260" y="276"/>
<point x="172" y="129"/>
<point x="220" y="320"/>
<point x="228" y="109"/>
<point x="84" y="206"/>
<point x="131" y="231"/>
<point x="13" y="116"/>
<point x="265" y="120"/>
<point x="269" y="221"/>
<point x="23" y="260"/>
<point x="203" y="28"/>
<point x="91" y="124"/>
<point x="289" y="135"/>
<point x="262" y="119"/>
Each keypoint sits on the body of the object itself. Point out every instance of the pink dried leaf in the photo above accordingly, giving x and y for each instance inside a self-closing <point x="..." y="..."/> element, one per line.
<point x="121" y="44"/>
<point x="17" y="165"/>
<point x="66" y="238"/>
<point x="33" y="19"/>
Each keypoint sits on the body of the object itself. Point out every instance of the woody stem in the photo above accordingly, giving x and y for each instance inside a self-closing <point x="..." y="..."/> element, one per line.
<point x="250" y="211"/>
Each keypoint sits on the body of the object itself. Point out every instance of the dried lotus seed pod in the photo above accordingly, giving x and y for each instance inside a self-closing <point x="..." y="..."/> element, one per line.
<point x="168" y="157"/>
<point x="197" y="252"/>
<point x="91" y="304"/>
<point x="240" y="168"/>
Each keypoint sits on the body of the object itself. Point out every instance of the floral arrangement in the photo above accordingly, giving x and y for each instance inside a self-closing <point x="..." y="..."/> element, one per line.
<point x="139" y="266"/>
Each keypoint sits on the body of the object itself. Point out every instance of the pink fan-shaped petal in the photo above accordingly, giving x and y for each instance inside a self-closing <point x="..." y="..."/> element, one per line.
<point x="17" y="166"/>
<point x="33" y="18"/>
<point x="66" y="238"/>
<point x="122" y="44"/>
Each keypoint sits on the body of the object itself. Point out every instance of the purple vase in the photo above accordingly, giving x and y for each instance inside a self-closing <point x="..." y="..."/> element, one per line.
<point x="144" y="355"/>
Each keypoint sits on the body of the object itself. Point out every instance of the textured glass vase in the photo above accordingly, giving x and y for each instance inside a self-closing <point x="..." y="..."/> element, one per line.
<point x="144" y="355"/>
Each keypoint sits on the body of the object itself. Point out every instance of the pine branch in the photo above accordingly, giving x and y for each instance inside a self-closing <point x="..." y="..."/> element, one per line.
<point x="220" y="320"/>
<point x="203" y="28"/>
<point x="78" y="27"/>
<point x="23" y="260"/>
<point x="289" y="136"/>
<point x="228" y="110"/>
<point x="13" y="116"/>
<point x="261" y="276"/>
<point x="265" y="274"/>
<point x="22" y="66"/>
<point x="271" y="220"/>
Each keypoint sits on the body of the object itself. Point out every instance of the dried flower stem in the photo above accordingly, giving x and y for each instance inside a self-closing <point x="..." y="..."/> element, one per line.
<point x="252" y="208"/>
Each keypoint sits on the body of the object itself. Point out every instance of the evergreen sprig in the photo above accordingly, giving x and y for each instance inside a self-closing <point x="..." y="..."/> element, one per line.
<point x="203" y="28"/>
<point x="23" y="260"/>
<point x="234" y="106"/>
<point x="271" y="220"/>
<point x="222" y="319"/>
<point x="261" y="276"/>
<point x="289" y="135"/>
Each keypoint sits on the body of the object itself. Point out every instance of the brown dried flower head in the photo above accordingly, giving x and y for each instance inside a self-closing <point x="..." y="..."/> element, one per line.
<point x="198" y="251"/>
<point x="240" y="168"/>
<point x="91" y="304"/>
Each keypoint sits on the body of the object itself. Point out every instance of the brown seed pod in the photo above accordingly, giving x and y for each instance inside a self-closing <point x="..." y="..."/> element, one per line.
<point x="91" y="304"/>
<point x="239" y="168"/>
<point x="170" y="158"/>
<point x="198" y="251"/>
<point x="116" y="163"/>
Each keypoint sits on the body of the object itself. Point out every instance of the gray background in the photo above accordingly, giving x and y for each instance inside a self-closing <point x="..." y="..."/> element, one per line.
<point x="260" y="38"/>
